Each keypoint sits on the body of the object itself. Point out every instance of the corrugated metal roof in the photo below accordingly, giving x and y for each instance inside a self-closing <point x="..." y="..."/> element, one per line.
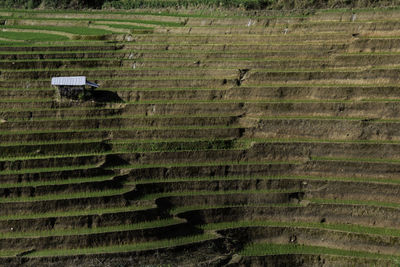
<point x="77" y="80"/>
<point x="73" y="80"/>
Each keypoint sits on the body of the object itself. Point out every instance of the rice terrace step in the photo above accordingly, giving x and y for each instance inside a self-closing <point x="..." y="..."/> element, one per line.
<point x="199" y="133"/>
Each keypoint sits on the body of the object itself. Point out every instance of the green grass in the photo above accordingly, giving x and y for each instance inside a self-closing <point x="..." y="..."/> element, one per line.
<point x="51" y="142"/>
<point x="165" y="60"/>
<point x="244" y="141"/>
<point x="367" y="160"/>
<point x="213" y="193"/>
<point x="205" y="146"/>
<point x="124" y="247"/>
<point x="138" y="21"/>
<point x="323" y="85"/>
<point x="50" y="169"/>
<point x="95" y="230"/>
<point x="248" y="101"/>
<point x="97" y="21"/>
<point x="119" y="68"/>
<point x="116" y="68"/>
<point x="9" y="253"/>
<point x="229" y="101"/>
<point x="351" y="228"/>
<point x="114" y="141"/>
<point x="120" y="146"/>
<point x="248" y="141"/>
<point x="26" y="100"/>
<point x="177" y="210"/>
<point x="269" y="101"/>
<point x="51" y="197"/>
<point x="77" y="108"/>
<point x="310" y="118"/>
<point x="62" y="60"/>
<point x="70" y="43"/>
<point x="213" y="163"/>
<point x="354" y="202"/>
<point x="58" y="182"/>
<point x="126" y="147"/>
<point x="110" y="117"/>
<point x="206" y="45"/>
<point x="53" y="156"/>
<point x="10" y="43"/>
<point x="358" y="10"/>
<point x="171" y="140"/>
<point x="152" y="148"/>
<point x="178" y="128"/>
<point x="261" y="249"/>
<point x="307" y="140"/>
<point x="71" y="213"/>
<point x="252" y="177"/>
<point x="126" y="26"/>
<point x="182" y="69"/>
<point x="33" y="36"/>
<point x="111" y="52"/>
<point x="72" y="29"/>
<point x="337" y="118"/>
<point x="178" y="52"/>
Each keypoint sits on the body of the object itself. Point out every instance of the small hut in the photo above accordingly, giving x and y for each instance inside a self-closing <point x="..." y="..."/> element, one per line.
<point x="75" y="87"/>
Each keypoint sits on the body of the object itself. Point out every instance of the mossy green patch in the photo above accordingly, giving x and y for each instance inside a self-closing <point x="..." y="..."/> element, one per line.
<point x="32" y="36"/>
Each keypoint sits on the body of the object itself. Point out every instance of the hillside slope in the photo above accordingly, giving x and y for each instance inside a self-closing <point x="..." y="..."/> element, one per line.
<point x="212" y="140"/>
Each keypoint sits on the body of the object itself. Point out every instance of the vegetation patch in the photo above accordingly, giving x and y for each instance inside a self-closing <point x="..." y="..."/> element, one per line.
<point x="279" y="249"/>
<point x="50" y="197"/>
<point x="73" y="30"/>
<point x="354" y="202"/>
<point x="338" y="227"/>
<point x="125" y="248"/>
<point x="71" y="213"/>
<point x="32" y="36"/>
<point x="50" y="169"/>
<point x="177" y="210"/>
<point x="59" y="182"/>
<point x="169" y="165"/>
<point x="213" y="193"/>
<point x="96" y="230"/>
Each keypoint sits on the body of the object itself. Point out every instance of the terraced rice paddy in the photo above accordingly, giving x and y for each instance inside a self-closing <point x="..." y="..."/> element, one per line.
<point x="212" y="140"/>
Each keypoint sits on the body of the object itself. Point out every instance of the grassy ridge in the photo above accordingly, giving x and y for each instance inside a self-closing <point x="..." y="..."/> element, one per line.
<point x="283" y="177"/>
<point x="59" y="182"/>
<point x="73" y="30"/>
<point x="50" y="197"/>
<point x="213" y="193"/>
<point x="95" y="230"/>
<point x="354" y="202"/>
<point x="49" y="169"/>
<point x="31" y="37"/>
<point x="339" y="227"/>
<point x="125" y="248"/>
<point x="72" y="213"/>
<point x="177" y="210"/>
<point x="279" y="249"/>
